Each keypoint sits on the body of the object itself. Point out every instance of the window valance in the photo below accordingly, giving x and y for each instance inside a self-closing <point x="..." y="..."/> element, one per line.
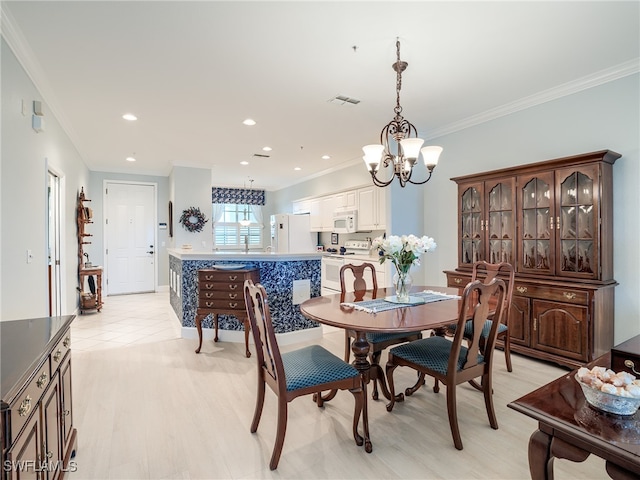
<point x="244" y="196"/>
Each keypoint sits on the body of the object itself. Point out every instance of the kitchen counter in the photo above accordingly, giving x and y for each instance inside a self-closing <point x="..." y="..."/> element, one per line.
<point x="252" y="255"/>
<point x="278" y="272"/>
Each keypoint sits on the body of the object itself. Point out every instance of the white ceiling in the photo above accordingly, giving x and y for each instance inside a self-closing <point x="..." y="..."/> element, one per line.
<point x="193" y="71"/>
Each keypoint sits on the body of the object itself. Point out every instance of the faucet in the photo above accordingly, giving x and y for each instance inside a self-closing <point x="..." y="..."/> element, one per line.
<point x="246" y="244"/>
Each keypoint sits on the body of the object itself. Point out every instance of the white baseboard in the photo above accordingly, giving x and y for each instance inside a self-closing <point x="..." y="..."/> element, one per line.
<point x="237" y="336"/>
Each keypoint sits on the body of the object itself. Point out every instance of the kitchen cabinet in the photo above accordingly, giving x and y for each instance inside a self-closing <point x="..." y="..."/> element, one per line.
<point x="315" y="218"/>
<point x="372" y="210"/>
<point x="327" y="208"/>
<point x="553" y="221"/>
<point x="302" y="206"/>
<point x="346" y="200"/>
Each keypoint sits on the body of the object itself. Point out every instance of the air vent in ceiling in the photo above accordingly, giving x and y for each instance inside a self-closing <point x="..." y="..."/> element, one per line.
<point x="344" y="100"/>
<point x="261" y="155"/>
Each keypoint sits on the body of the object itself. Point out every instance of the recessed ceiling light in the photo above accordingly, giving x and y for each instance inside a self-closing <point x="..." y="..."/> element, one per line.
<point x="249" y="121"/>
<point x="244" y="162"/>
<point x="129" y="116"/>
<point x="266" y="149"/>
<point x="297" y="169"/>
<point x="326" y="157"/>
<point x="130" y="159"/>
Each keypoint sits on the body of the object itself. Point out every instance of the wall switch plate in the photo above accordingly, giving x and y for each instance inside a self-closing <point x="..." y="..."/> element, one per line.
<point x="29" y="256"/>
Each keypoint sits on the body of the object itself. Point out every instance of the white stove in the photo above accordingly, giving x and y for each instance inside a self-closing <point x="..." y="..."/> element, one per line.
<point x="353" y="251"/>
<point x="352" y="247"/>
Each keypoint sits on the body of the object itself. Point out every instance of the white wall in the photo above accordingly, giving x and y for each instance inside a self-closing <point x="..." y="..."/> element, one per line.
<point x="25" y="159"/>
<point x="192" y="188"/>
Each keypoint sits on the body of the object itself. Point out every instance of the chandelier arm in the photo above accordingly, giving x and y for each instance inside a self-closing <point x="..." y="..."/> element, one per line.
<point x="423" y="181"/>
<point x="379" y="183"/>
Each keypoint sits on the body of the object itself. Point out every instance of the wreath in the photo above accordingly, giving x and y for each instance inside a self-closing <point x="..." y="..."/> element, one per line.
<point x="192" y="219"/>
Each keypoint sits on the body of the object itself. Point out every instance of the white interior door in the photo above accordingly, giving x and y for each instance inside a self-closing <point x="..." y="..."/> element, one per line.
<point x="130" y="239"/>
<point x="53" y="244"/>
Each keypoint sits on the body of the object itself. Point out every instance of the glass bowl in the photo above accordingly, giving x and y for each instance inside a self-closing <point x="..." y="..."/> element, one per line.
<point x="609" y="402"/>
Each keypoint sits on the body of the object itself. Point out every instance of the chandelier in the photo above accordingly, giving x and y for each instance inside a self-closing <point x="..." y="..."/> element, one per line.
<point x="400" y="133"/>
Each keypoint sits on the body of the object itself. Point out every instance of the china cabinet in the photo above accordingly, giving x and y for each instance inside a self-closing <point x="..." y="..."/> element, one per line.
<point x="553" y="221"/>
<point x="92" y="299"/>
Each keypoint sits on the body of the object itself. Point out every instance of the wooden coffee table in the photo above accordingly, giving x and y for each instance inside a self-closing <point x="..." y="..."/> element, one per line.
<point x="569" y="428"/>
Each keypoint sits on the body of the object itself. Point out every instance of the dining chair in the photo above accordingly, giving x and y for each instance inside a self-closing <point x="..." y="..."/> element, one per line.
<point x="451" y="361"/>
<point x="487" y="272"/>
<point x="305" y="371"/>
<point x="377" y="341"/>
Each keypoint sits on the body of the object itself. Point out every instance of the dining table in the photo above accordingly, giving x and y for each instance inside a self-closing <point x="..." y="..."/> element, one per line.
<point x="379" y="311"/>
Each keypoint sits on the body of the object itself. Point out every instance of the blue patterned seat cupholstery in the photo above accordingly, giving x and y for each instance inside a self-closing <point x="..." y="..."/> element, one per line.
<point x="451" y="362"/>
<point x="306" y="371"/>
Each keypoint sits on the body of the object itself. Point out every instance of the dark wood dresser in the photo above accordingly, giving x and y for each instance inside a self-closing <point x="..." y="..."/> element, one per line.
<point x="38" y="435"/>
<point x="222" y="292"/>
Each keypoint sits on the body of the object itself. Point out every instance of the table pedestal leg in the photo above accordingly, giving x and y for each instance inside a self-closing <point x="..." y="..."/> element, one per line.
<point x="360" y="348"/>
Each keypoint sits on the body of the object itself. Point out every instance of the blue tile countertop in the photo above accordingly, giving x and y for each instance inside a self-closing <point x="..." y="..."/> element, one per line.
<point x="277" y="273"/>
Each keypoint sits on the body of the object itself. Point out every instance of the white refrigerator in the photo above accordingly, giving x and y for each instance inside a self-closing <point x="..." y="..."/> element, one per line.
<point x="292" y="234"/>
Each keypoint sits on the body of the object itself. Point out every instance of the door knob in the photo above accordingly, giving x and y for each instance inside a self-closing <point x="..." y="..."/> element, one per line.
<point x="151" y="252"/>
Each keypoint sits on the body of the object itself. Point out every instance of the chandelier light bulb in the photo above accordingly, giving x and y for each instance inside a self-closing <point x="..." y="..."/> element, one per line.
<point x="430" y="156"/>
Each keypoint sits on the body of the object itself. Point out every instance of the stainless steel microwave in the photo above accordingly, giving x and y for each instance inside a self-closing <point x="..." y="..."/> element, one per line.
<point x="345" y="221"/>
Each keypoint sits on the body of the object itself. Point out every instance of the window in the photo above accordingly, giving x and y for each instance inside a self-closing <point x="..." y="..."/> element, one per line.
<point x="228" y="233"/>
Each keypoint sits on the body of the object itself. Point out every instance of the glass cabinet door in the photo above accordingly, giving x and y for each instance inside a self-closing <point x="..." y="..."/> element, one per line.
<point x="577" y="223"/>
<point x="471" y="222"/>
<point x="500" y="224"/>
<point x="537" y="239"/>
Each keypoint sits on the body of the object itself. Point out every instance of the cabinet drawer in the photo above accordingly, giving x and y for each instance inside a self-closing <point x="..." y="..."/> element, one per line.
<point x="457" y="281"/>
<point x="60" y="351"/>
<point x="221" y="295"/>
<point x="26" y="403"/>
<point x="221" y="286"/>
<point x="219" y="276"/>
<point x="567" y="295"/>
<point x="222" y="304"/>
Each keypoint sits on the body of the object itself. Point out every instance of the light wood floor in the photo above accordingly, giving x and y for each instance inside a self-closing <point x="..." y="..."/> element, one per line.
<point x="147" y="407"/>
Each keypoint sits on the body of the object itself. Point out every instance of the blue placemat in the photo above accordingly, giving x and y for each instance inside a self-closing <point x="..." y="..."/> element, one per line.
<point x="382" y="305"/>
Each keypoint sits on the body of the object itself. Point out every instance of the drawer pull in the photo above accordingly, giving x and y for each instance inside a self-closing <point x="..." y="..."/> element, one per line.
<point x="630" y="364"/>
<point x="233" y="286"/>
<point x="569" y="295"/>
<point x="233" y="278"/>
<point x="25" y="407"/>
<point x="57" y="355"/>
<point x="42" y="381"/>
<point x="208" y="295"/>
<point x="521" y="289"/>
<point x="457" y="280"/>
<point x="208" y="277"/>
<point x="67" y="342"/>
<point x="208" y="286"/>
<point x="233" y="295"/>
<point x="209" y="304"/>
<point x="233" y="304"/>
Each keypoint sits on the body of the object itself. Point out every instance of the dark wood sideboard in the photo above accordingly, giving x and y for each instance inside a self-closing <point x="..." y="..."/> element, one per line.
<point x="38" y="435"/>
<point x="553" y="221"/>
<point x="222" y="292"/>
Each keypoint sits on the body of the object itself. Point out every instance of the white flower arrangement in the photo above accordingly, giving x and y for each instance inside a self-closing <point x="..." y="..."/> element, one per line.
<point x="404" y="251"/>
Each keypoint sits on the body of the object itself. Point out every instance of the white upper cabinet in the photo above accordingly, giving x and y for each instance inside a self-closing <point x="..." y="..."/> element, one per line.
<point x="302" y="206"/>
<point x="321" y="209"/>
<point x="372" y="209"/>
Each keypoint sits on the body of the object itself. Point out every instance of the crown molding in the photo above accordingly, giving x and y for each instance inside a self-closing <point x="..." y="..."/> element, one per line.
<point x="598" y="78"/>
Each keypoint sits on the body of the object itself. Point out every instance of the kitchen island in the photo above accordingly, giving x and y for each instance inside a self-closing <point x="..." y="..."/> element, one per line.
<point x="288" y="278"/>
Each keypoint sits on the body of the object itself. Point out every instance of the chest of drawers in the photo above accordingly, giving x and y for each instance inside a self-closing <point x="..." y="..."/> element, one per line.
<point x="221" y="292"/>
